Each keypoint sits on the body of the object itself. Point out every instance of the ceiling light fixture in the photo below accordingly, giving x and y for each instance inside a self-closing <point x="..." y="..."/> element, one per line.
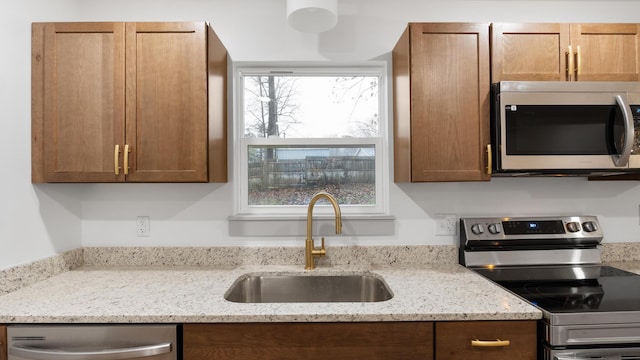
<point x="312" y="16"/>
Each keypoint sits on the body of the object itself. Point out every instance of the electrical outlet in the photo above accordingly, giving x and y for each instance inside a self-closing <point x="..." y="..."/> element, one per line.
<point x="142" y="226"/>
<point x="446" y="225"/>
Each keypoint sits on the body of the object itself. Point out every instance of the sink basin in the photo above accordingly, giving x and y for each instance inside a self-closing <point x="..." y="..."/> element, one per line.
<point x="260" y="288"/>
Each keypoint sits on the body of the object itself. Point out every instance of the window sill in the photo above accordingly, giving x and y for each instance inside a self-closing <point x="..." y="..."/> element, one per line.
<point x="352" y="225"/>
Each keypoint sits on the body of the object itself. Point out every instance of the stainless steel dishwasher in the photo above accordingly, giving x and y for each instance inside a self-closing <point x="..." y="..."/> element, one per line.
<point x="92" y="342"/>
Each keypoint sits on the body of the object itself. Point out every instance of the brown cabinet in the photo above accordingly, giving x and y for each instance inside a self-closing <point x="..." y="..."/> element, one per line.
<point x="441" y="103"/>
<point x="486" y="340"/>
<point x="282" y="341"/>
<point x="565" y="52"/>
<point x="137" y="102"/>
<point x="3" y="342"/>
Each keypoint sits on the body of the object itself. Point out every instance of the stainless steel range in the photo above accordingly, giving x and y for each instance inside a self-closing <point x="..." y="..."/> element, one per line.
<point x="590" y="311"/>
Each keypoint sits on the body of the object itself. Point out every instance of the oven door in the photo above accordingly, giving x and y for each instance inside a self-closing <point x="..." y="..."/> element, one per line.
<point x="544" y="127"/>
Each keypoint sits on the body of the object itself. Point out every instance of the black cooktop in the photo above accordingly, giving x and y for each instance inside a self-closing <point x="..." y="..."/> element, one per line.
<point x="571" y="288"/>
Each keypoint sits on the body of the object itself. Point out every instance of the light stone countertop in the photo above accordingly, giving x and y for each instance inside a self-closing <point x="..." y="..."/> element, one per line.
<point x="179" y="294"/>
<point x="630" y="266"/>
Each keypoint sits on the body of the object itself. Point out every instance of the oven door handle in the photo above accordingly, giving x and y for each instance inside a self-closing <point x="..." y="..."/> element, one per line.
<point x="625" y="153"/>
<point x="42" y="353"/>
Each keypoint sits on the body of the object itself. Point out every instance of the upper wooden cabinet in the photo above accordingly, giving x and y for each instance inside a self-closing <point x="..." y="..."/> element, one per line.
<point x="136" y="102"/>
<point x="565" y="52"/>
<point x="441" y="103"/>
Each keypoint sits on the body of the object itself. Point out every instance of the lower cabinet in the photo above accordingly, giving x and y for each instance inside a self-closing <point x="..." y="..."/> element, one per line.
<point x="468" y="340"/>
<point x="3" y="342"/>
<point x="309" y="341"/>
<point x="480" y="340"/>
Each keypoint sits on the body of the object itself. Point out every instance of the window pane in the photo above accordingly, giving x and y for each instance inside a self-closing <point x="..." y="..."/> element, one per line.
<point x="291" y="175"/>
<point x="294" y="106"/>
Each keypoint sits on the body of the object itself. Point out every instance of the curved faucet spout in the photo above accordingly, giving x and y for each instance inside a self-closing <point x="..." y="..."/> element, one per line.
<point x="311" y="251"/>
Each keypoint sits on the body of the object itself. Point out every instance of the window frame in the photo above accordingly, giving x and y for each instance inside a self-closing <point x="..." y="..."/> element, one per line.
<point x="241" y="144"/>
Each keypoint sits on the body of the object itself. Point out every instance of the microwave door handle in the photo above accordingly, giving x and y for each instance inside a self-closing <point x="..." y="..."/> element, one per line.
<point x="623" y="158"/>
<point x="41" y="353"/>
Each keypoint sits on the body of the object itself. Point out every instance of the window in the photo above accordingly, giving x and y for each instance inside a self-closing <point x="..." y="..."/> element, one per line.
<point x="300" y="130"/>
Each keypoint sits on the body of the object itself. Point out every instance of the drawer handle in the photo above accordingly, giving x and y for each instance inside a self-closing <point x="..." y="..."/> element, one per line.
<point x="490" y="343"/>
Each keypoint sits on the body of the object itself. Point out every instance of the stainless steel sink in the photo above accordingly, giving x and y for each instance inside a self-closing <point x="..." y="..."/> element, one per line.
<point x="298" y="288"/>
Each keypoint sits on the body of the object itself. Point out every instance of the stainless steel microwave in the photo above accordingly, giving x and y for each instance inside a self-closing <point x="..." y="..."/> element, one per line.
<point x="565" y="128"/>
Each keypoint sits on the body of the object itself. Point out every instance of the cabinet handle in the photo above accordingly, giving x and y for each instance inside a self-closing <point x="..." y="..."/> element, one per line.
<point x="490" y="343"/>
<point x="578" y="61"/>
<point x="569" y="59"/>
<point x="126" y="159"/>
<point x="489" y="159"/>
<point x="116" y="160"/>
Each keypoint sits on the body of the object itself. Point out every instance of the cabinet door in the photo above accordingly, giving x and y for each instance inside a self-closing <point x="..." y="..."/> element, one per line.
<point x="454" y="340"/>
<point x="606" y="52"/>
<point x="449" y="108"/>
<point x="3" y="342"/>
<point x="293" y="341"/>
<point x="529" y="52"/>
<point x="166" y="77"/>
<point x="77" y="101"/>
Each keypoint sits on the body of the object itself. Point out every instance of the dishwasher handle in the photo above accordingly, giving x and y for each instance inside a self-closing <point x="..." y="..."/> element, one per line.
<point x="38" y="353"/>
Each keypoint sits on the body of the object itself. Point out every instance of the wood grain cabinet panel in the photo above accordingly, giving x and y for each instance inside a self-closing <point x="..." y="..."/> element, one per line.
<point x="77" y="101"/>
<point x="454" y="340"/>
<point x="565" y="52"/>
<point x="606" y="52"/>
<point x="3" y="342"/>
<point x="534" y="52"/>
<point x="441" y="103"/>
<point x="312" y="341"/>
<point x="116" y="102"/>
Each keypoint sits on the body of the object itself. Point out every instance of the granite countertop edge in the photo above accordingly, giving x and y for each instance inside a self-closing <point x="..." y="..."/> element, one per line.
<point x="195" y="294"/>
<point x="187" y="285"/>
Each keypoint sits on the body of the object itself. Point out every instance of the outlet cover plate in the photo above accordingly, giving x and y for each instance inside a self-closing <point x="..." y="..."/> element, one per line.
<point x="446" y="225"/>
<point x="143" y="226"/>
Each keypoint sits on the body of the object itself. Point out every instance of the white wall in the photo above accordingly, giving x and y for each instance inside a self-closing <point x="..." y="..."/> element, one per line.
<point x="43" y="220"/>
<point x="35" y="222"/>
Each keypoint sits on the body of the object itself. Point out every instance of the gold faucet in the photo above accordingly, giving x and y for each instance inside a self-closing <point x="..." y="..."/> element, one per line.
<point x="310" y="251"/>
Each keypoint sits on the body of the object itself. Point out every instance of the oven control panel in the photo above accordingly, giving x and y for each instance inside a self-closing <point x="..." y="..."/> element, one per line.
<point x="529" y="230"/>
<point x="544" y="240"/>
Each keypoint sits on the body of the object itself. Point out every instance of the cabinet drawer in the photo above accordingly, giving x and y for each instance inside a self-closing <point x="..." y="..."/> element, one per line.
<point x="309" y="341"/>
<point x="453" y="340"/>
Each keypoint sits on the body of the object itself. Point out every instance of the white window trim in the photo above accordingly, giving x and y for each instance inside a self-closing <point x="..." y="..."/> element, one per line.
<point x="240" y="144"/>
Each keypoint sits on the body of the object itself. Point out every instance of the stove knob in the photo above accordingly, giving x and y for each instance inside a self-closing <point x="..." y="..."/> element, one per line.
<point x="477" y="229"/>
<point x="573" y="227"/>
<point x="495" y="228"/>
<point x="589" y="226"/>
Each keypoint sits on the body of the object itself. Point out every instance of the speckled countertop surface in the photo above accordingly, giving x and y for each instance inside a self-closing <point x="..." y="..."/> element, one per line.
<point x="174" y="285"/>
<point x="177" y="294"/>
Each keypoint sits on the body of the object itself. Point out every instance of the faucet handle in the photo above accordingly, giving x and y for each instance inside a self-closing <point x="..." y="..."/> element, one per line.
<point x="319" y="251"/>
